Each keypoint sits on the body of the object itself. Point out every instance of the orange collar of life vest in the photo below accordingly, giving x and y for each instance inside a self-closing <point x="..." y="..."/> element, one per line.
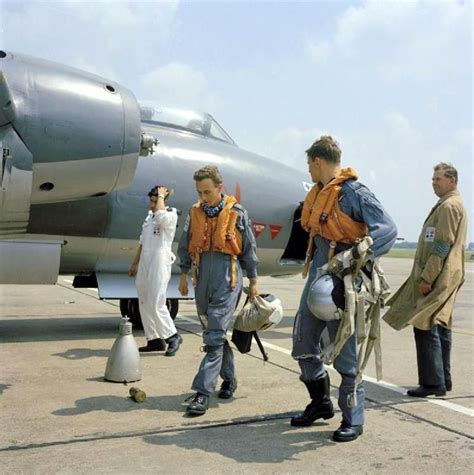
<point x="217" y="234"/>
<point x="321" y="207"/>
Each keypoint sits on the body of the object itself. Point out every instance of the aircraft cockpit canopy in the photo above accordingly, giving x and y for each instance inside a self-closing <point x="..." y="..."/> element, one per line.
<point x="189" y="121"/>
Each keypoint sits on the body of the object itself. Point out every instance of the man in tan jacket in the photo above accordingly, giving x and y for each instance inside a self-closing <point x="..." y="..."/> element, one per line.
<point x="427" y="298"/>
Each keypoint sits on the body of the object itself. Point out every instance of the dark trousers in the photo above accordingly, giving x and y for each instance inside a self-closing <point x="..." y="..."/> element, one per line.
<point x="433" y="354"/>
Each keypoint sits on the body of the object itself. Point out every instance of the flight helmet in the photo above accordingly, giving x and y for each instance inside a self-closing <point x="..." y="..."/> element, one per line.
<point x="322" y="297"/>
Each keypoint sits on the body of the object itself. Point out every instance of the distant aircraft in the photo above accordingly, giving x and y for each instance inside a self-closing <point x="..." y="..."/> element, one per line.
<point x="79" y="155"/>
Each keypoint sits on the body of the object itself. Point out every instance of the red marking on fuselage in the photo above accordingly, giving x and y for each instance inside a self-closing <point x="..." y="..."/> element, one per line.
<point x="236" y="193"/>
<point x="275" y="230"/>
<point x="258" y="228"/>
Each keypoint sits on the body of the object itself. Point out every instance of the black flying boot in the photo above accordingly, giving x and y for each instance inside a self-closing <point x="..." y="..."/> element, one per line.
<point x="347" y="433"/>
<point x="424" y="391"/>
<point x="198" y="405"/>
<point x="320" y="406"/>
<point x="173" y="344"/>
<point x="227" y="389"/>
<point x="157" y="344"/>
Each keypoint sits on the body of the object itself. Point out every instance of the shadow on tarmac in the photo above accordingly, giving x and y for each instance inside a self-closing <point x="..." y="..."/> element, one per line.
<point x="286" y="322"/>
<point x="173" y="402"/>
<point x="263" y="442"/>
<point x="21" y="330"/>
<point x="274" y="335"/>
<point x="82" y="354"/>
<point x="3" y="387"/>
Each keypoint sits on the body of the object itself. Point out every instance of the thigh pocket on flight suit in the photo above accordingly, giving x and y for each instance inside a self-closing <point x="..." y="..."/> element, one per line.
<point x="204" y="320"/>
<point x="228" y="269"/>
<point x="297" y="327"/>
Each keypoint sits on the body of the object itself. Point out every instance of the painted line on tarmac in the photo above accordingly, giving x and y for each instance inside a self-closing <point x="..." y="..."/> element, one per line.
<point x="387" y="385"/>
<point x="438" y="402"/>
<point x="384" y="384"/>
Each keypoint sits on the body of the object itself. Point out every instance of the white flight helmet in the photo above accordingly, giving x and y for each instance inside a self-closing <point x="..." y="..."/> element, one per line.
<point x="277" y="314"/>
<point x="260" y="313"/>
<point x="320" y="300"/>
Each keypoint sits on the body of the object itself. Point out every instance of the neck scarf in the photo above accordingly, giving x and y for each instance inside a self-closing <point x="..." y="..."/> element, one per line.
<point x="213" y="211"/>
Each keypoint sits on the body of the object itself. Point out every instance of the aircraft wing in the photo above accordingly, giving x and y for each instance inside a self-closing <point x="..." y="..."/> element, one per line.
<point x="119" y="286"/>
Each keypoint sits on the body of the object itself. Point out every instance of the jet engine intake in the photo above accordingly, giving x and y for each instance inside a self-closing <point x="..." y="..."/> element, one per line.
<point x="82" y="130"/>
<point x="64" y="135"/>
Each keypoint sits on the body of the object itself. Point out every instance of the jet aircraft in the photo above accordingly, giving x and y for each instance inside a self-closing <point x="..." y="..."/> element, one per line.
<point x="79" y="155"/>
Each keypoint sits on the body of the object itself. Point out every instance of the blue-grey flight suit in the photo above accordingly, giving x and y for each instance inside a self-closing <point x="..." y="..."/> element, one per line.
<point x="361" y="205"/>
<point x="216" y="301"/>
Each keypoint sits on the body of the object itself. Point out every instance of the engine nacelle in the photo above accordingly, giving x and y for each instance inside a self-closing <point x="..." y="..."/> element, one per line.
<point x="64" y="134"/>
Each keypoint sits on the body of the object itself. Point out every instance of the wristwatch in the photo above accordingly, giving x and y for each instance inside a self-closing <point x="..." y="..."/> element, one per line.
<point x="161" y="196"/>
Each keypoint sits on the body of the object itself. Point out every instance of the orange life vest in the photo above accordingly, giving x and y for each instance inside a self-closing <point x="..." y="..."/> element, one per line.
<point x="323" y="216"/>
<point x="218" y="234"/>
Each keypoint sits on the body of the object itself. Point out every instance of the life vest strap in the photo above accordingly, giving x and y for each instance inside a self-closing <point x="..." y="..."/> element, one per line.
<point x="233" y="270"/>
<point x="332" y="249"/>
<point x="363" y="321"/>
<point x="196" y="259"/>
<point x="309" y="255"/>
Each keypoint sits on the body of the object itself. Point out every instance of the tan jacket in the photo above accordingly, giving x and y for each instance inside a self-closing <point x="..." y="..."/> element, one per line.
<point x="439" y="260"/>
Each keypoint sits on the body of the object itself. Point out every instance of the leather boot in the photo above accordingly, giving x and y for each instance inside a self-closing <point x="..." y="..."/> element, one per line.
<point x="227" y="389"/>
<point x="347" y="433"/>
<point x="198" y="405"/>
<point x="423" y="391"/>
<point x="320" y="406"/>
<point x="156" y="344"/>
<point x="174" y="341"/>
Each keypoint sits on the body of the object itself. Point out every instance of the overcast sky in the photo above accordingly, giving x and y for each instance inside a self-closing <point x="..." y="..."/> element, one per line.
<point x="392" y="80"/>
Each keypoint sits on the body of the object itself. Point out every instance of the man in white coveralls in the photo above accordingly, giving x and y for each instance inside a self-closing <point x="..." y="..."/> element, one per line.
<point x="154" y="260"/>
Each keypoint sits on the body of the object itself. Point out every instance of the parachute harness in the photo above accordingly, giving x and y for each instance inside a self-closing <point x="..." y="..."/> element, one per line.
<point x="366" y="291"/>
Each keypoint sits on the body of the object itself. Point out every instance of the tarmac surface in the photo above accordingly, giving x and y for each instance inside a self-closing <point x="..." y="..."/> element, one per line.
<point x="58" y="415"/>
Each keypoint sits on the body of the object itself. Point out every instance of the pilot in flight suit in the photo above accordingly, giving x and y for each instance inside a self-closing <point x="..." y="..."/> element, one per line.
<point x="352" y="213"/>
<point x="217" y="243"/>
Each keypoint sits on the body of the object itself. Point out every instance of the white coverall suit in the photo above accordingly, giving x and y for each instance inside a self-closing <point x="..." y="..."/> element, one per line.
<point x="154" y="273"/>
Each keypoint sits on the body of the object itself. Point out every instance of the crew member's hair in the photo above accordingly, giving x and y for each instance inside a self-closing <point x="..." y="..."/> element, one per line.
<point x="448" y="169"/>
<point x="326" y="148"/>
<point x="154" y="192"/>
<point x="209" y="171"/>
